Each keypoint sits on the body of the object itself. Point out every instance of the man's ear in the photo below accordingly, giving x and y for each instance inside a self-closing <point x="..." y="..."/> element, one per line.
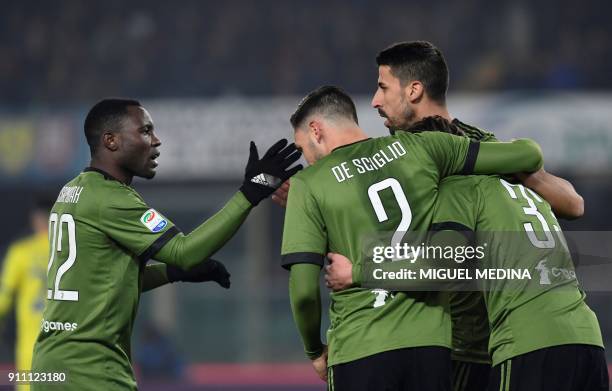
<point x="415" y="91"/>
<point x="315" y="129"/>
<point x="110" y="141"/>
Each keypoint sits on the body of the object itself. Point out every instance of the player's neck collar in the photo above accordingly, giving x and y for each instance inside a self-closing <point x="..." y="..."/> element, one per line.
<point x="104" y="173"/>
<point x="348" y="145"/>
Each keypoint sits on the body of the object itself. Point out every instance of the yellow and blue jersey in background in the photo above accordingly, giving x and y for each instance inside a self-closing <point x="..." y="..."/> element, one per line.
<point x="23" y="279"/>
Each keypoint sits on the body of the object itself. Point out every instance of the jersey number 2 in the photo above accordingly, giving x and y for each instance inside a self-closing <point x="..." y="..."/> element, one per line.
<point x="55" y="239"/>
<point x="402" y="201"/>
<point x="374" y="195"/>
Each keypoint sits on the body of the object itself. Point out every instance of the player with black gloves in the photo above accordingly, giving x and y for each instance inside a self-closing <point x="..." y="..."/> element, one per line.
<point x="106" y="234"/>
<point x="261" y="178"/>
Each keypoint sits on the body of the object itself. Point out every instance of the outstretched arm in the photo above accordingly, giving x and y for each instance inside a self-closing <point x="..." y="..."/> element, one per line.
<point x="523" y="155"/>
<point x="262" y="177"/>
<point x="559" y="193"/>
<point x="186" y="251"/>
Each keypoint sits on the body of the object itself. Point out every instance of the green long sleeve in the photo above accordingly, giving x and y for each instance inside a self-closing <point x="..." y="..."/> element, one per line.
<point x="522" y="155"/>
<point x="154" y="276"/>
<point x="306" y="306"/>
<point x="185" y="251"/>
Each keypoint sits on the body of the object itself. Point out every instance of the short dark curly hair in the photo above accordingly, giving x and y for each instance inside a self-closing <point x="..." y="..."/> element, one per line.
<point x="105" y="115"/>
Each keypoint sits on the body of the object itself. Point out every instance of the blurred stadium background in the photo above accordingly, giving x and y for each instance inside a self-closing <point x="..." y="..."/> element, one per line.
<point x="215" y="75"/>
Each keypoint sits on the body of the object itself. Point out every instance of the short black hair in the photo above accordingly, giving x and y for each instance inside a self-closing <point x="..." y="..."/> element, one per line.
<point x="421" y="61"/>
<point x="107" y="114"/>
<point x="330" y="101"/>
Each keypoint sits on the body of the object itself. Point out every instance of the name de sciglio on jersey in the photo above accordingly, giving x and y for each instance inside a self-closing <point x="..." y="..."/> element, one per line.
<point x="361" y="165"/>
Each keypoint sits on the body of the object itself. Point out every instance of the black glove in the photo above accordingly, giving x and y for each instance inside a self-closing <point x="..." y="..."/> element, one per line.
<point x="208" y="270"/>
<point x="263" y="176"/>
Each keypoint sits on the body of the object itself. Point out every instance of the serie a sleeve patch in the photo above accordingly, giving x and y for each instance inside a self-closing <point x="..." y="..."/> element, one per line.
<point x="153" y="220"/>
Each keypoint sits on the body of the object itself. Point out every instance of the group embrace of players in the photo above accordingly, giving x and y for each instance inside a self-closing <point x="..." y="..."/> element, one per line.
<point x="442" y="177"/>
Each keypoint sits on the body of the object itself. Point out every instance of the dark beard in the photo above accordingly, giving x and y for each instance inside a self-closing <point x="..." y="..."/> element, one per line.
<point x="409" y="117"/>
<point x="407" y="123"/>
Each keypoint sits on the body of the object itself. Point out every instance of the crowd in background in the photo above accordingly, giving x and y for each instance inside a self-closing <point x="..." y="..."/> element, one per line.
<point x="72" y="52"/>
<point x="68" y="51"/>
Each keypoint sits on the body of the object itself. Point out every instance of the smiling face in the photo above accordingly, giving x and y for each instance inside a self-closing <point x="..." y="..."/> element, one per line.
<point x="138" y="143"/>
<point x="391" y="100"/>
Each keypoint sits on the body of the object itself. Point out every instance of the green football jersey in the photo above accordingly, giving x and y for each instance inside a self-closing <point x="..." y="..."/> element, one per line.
<point x="386" y="184"/>
<point x="101" y="234"/>
<point x="521" y="233"/>
<point x="468" y="311"/>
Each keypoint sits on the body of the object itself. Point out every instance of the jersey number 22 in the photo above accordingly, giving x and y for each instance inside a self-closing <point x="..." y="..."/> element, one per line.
<point x="56" y="224"/>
